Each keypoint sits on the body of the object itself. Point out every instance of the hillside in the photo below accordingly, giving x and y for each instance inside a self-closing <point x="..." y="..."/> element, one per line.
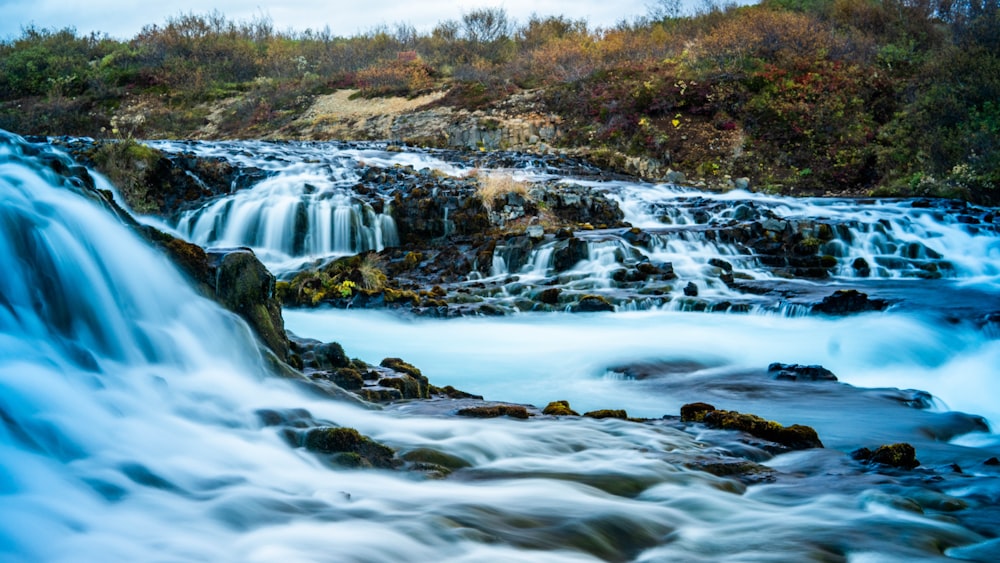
<point x="827" y="97"/>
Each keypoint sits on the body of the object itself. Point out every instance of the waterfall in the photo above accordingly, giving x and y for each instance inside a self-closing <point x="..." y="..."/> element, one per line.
<point x="288" y="218"/>
<point x="130" y="426"/>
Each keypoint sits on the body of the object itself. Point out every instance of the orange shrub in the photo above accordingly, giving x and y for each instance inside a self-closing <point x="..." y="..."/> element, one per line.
<point x="788" y="39"/>
<point x="396" y="77"/>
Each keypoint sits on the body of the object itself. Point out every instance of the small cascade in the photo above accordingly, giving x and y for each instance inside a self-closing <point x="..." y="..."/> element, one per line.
<point x="287" y="218"/>
<point x="849" y="239"/>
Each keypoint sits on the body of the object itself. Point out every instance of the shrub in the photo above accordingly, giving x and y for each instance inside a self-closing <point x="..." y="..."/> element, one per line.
<point x="394" y="78"/>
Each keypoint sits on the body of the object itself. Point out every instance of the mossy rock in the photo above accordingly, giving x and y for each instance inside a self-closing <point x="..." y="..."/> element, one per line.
<point x="330" y="356"/>
<point x="695" y="412"/>
<point x="452" y="393"/>
<point x="361" y="450"/>
<point x="397" y="364"/>
<point x="593" y="304"/>
<point x="495" y="411"/>
<point x="436" y="458"/>
<point x="407" y="386"/>
<point x="379" y="394"/>
<point x="559" y="408"/>
<point x="607" y="413"/>
<point x="348" y="378"/>
<point x="796" y="436"/>
<point x="901" y="455"/>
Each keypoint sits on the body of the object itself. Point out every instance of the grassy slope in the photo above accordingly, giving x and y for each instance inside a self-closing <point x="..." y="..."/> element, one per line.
<point x="797" y="96"/>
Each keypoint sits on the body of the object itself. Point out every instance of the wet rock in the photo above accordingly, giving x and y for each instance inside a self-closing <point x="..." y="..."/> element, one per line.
<point x="607" y="413"/>
<point x="412" y="384"/>
<point x="349" y="448"/>
<point x="568" y="253"/>
<point x="721" y="264"/>
<point x="691" y="289"/>
<point x="427" y="459"/>
<point x="242" y="284"/>
<point x="746" y="471"/>
<point x="347" y="378"/>
<point x="559" y="408"/>
<point x="637" y="237"/>
<point x="900" y="455"/>
<point x="452" y="393"/>
<point x="695" y="412"/>
<point x="593" y="304"/>
<point x="550" y="296"/>
<point x="848" y="301"/>
<point x="796" y="372"/>
<point x="795" y="437"/>
<point x="494" y="411"/>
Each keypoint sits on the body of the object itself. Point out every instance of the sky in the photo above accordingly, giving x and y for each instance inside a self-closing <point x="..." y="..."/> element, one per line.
<point x="122" y="19"/>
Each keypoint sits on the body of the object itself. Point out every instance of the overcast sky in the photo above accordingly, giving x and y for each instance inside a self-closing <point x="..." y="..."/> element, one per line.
<point x="122" y="19"/>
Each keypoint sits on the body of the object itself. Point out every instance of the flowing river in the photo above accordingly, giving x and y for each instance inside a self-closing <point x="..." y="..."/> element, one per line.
<point x="130" y="425"/>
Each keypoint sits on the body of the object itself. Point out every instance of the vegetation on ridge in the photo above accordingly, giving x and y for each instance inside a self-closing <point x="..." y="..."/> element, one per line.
<point x="891" y="97"/>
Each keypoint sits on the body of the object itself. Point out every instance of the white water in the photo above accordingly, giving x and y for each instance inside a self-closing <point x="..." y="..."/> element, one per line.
<point x="536" y="358"/>
<point x="128" y="433"/>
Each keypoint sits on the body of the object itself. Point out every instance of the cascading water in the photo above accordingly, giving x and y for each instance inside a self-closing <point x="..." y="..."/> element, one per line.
<point x="306" y="209"/>
<point x="129" y="431"/>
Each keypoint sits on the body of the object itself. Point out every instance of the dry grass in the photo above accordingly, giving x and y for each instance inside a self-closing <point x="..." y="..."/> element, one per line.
<point x="493" y="187"/>
<point x="372" y="276"/>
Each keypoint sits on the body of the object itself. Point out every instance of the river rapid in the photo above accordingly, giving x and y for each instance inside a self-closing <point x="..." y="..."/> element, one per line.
<point x="130" y="406"/>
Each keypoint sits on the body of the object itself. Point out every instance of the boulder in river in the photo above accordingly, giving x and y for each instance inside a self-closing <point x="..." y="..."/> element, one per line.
<point x="848" y="301"/>
<point x="796" y="372"/>
<point x="794" y="437"/>
<point x="901" y="455"/>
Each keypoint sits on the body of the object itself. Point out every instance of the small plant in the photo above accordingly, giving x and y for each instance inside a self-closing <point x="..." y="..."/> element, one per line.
<point x="346" y="288"/>
<point x="370" y="270"/>
<point x="492" y="187"/>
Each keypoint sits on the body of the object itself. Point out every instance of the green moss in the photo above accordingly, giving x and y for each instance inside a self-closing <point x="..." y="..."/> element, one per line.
<point x="796" y="437"/>
<point x="695" y="412"/>
<point x="494" y="411"/>
<point x="559" y="408"/>
<point x="397" y="364"/>
<point x="435" y="457"/>
<point x="348" y="378"/>
<point x="901" y="455"/>
<point x="607" y="413"/>
<point x="350" y="448"/>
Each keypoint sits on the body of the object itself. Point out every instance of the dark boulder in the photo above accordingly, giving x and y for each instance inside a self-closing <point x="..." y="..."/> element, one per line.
<point x="607" y="413"/>
<point x="494" y="411"/>
<point x="568" y="253"/>
<point x="242" y="284"/>
<point x="794" y="437"/>
<point x="796" y="372"/>
<point x="848" y="301"/>
<point x="695" y="412"/>
<point x="349" y="447"/>
<point x="900" y="455"/>
<point x="593" y="304"/>
<point x="559" y="408"/>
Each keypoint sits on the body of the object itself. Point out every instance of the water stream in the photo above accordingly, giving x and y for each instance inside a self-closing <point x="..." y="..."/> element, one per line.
<point x="129" y="426"/>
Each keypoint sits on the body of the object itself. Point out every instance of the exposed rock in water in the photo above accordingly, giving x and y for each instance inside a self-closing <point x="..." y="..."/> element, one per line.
<point x="848" y="301"/>
<point x="592" y="304"/>
<point x="559" y="408"/>
<point x="242" y="284"/>
<point x="901" y="455"/>
<point x="695" y="412"/>
<point x="607" y="413"/>
<point x="494" y="411"/>
<point x="795" y="437"/>
<point x="350" y="448"/>
<point x="796" y="372"/>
